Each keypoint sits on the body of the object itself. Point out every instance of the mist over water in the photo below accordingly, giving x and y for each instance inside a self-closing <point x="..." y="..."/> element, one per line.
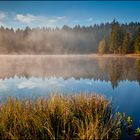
<point x="114" y="69"/>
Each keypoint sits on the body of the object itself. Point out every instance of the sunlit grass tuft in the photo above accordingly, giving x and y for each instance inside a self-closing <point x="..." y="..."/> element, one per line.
<point x="59" y="117"/>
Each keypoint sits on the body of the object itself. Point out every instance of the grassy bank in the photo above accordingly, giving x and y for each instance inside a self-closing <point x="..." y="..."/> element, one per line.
<point x="60" y="117"/>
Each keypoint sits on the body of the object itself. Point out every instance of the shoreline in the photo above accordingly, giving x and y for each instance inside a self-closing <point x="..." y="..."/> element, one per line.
<point x="70" y="55"/>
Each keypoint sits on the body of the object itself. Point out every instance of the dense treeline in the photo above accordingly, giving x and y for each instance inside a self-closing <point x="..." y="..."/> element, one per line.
<point x="110" y="37"/>
<point x="123" y="38"/>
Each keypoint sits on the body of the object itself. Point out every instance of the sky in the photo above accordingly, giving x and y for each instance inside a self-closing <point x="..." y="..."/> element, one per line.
<point x="19" y="14"/>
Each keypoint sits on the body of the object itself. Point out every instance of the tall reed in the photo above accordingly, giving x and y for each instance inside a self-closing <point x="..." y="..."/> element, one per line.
<point x="59" y="117"/>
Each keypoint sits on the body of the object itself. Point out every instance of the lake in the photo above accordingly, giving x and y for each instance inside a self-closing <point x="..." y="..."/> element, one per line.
<point x="40" y="76"/>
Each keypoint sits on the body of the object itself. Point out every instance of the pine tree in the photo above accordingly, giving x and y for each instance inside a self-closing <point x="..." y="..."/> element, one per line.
<point x="137" y="43"/>
<point x="126" y="43"/>
<point x="112" y="44"/>
<point x="102" y="47"/>
<point x="116" y="38"/>
<point x="120" y="38"/>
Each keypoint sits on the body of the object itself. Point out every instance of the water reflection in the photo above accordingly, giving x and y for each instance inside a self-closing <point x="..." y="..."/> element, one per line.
<point x="103" y="68"/>
<point x="35" y="87"/>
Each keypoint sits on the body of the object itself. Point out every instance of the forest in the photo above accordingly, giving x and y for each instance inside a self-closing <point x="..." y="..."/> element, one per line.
<point x="110" y="38"/>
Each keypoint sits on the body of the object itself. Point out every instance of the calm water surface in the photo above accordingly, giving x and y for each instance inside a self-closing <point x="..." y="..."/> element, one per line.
<point x="39" y="76"/>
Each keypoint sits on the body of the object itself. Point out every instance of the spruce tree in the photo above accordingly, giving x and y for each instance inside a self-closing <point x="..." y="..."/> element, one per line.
<point x="102" y="47"/>
<point x="137" y="43"/>
<point x="120" y="38"/>
<point x="112" y="44"/>
<point x="116" y="38"/>
<point x="126" y="43"/>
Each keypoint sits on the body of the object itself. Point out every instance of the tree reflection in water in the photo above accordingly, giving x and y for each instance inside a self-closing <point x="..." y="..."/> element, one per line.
<point x="113" y="69"/>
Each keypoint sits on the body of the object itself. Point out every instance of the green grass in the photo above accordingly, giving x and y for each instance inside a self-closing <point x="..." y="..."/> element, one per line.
<point x="60" y="117"/>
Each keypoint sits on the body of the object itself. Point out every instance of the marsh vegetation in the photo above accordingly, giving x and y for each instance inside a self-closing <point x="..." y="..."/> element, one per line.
<point x="80" y="116"/>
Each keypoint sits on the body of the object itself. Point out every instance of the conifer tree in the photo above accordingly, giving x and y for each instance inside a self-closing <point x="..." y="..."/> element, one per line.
<point x="137" y="43"/>
<point x="102" y="47"/>
<point x="112" y="44"/>
<point x="126" y="43"/>
<point x="116" y="38"/>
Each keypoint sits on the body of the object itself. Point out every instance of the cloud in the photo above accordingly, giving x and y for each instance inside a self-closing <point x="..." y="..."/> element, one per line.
<point x="76" y="21"/>
<point x="2" y="24"/>
<point x="89" y="19"/>
<point x="38" y="83"/>
<point x="37" y="20"/>
<point x="18" y="20"/>
<point x="2" y="15"/>
<point x="28" y="18"/>
<point x="28" y="84"/>
<point x="63" y="17"/>
<point x="3" y="87"/>
<point x="52" y="20"/>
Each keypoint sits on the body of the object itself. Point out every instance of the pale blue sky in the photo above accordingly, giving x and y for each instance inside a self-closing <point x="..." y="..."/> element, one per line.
<point x="50" y="13"/>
